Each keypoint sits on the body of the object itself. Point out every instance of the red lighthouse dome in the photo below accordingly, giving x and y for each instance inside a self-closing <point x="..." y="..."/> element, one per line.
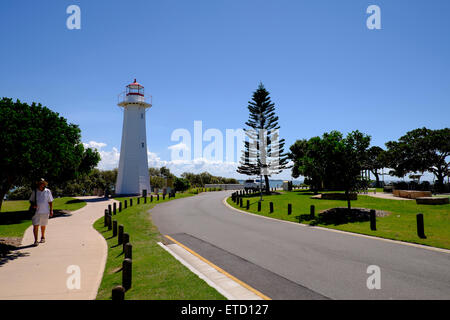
<point x="135" y="89"/>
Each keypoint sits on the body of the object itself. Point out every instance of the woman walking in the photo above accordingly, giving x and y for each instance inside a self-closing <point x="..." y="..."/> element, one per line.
<point x="42" y="200"/>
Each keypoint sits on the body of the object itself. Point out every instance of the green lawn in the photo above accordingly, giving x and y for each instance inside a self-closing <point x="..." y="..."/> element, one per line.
<point x="156" y="274"/>
<point x="399" y="225"/>
<point x="14" y="217"/>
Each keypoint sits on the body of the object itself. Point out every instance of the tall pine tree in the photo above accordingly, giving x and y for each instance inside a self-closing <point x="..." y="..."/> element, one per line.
<point x="263" y="153"/>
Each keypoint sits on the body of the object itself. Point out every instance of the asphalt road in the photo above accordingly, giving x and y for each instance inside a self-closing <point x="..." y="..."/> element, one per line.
<point x="291" y="261"/>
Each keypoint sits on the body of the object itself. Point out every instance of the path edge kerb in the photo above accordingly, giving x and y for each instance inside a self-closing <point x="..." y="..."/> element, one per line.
<point x="101" y="272"/>
<point x="105" y="249"/>
<point x="420" y="246"/>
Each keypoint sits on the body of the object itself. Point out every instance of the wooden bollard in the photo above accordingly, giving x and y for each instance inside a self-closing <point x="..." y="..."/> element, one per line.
<point x="312" y="212"/>
<point x="125" y="240"/>
<point x="240" y="202"/>
<point x="420" y="226"/>
<point x="138" y="200"/>
<point x="145" y="200"/>
<point x="164" y="196"/>
<point x="109" y="209"/>
<point x="259" y="206"/>
<point x="289" y="208"/>
<point x="115" y="208"/>
<point x="271" y="207"/>
<point x="120" y="206"/>
<point x="114" y="228"/>
<point x="373" y="220"/>
<point x="248" y="204"/>
<point x="120" y="235"/>
<point x="151" y="198"/>
<point x="157" y="197"/>
<point x="131" y="202"/>
<point x="126" y="273"/>
<point x="109" y="222"/>
<point x="105" y="222"/>
<point x="128" y="251"/>
<point x="126" y="204"/>
<point x="118" y="293"/>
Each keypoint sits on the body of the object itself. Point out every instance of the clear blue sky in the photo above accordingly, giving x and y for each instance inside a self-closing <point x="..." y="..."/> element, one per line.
<point x="201" y="60"/>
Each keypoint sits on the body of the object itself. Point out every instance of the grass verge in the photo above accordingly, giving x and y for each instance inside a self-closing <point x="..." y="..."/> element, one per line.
<point x="156" y="274"/>
<point x="399" y="225"/>
<point x="15" y="219"/>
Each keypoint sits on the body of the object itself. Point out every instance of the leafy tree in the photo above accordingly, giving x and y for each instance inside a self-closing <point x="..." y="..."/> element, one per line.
<point x="36" y="142"/>
<point x="166" y="174"/>
<point x="19" y="193"/>
<point x="421" y="150"/>
<point x="199" y="180"/>
<point x="375" y="161"/>
<point x="161" y="177"/>
<point x="298" y="152"/>
<point x="107" y="180"/>
<point x="263" y="154"/>
<point x="349" y="159"/>
<point x="331" y="161"/>
<point x="313" y="159"/>
<point x="83" y="185"/>
<point x="181" y="184"/>
<point x="193" y="179"/>
<point x="154" y="172"/>
<point x="156" y="180"/>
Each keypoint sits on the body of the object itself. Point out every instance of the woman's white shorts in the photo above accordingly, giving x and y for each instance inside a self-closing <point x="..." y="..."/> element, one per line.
<point x="40" y="219"/>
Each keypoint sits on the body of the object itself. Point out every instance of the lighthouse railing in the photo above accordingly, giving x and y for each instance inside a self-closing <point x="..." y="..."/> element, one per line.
<point x="123" y="97"/>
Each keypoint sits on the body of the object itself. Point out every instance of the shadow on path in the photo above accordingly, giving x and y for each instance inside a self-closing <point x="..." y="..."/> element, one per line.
<point x="94" y="200"/>
<point x="10" y="252"/>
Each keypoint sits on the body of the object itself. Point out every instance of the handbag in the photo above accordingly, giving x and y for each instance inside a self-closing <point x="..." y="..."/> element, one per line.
<point x="32" y="209"/>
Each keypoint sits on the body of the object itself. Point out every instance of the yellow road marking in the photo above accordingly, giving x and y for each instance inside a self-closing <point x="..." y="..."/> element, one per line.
<point x="263" y="296"/>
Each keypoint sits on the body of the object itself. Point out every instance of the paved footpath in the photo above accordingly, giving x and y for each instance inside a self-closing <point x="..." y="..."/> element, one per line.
<point x="41" y="272"/>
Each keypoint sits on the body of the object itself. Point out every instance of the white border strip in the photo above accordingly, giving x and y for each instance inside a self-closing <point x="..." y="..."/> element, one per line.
<point x="198" y="273"/>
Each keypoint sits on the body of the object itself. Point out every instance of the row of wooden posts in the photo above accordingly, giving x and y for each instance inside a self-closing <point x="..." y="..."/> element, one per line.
<point x="123" y="238"/>
<point x="244" y="192"/>
<point x="236" y="197"/>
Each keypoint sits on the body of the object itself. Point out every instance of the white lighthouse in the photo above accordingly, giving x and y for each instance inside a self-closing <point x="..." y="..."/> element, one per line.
<point x="133" y="177"/>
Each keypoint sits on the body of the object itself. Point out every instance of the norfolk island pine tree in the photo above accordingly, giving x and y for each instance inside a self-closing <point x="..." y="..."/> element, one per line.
<point x="263" y="154"/>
